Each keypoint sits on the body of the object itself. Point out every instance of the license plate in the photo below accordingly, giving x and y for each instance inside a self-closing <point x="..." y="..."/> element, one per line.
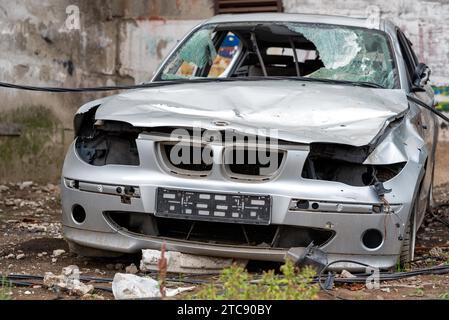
<point x="217" y="207"/>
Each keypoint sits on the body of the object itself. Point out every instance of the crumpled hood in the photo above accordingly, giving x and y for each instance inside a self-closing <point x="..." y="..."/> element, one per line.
<point x="300" y="112"/>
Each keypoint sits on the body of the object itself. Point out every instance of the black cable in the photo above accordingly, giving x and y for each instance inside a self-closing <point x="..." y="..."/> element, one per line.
<point x="92" y="89"/>
<point x="425" y="105"/>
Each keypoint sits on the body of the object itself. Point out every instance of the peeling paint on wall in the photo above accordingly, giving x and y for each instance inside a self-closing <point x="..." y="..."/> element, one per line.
<point x="145" y="43"/>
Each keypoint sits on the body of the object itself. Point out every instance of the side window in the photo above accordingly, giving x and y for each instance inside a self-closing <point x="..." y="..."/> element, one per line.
<point x="226" y="55"/>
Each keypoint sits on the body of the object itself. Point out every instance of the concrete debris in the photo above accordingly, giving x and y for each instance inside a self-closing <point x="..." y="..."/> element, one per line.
<point x="131" y="269"/>
<point x="20" y="256"/>
<point x="68" y="280"/>
<point x="119" y="266"/>
<point x="178" y="262"/>
<point x="3" y="188"/>
<point x="347" y="274"/>
<point x="26" y="184"/>
<point x="129" y="286"/>
<point x="58" y="252"/>
<point x="437" y="252"/>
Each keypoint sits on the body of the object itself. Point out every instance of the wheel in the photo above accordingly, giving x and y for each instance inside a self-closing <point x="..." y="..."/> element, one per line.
<point x="91" y="252"/>
<point x="408" y="243"/>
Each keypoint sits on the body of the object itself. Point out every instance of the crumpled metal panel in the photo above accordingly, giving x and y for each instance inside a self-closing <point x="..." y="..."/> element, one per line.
<point x="301" y="112"/>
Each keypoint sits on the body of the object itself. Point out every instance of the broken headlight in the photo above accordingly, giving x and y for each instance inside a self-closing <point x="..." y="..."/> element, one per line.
<point x="102" y="143"/>
<point x="342" y="163"/>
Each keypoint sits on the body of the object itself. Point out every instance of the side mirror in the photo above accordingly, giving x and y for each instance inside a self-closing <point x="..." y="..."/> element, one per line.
<point x="421" y="76"/>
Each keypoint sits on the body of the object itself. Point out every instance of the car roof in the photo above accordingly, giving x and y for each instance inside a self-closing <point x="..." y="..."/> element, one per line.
<point x="297" y="17"/>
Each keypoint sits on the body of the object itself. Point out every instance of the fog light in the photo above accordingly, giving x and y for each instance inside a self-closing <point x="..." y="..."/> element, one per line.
<point x="78" y="214"/>
<point x="372" y="238"/>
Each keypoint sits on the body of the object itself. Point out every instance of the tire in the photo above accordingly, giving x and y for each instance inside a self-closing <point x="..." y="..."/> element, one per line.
<point x="408" y="243"/>
<point x="87" y="252"/>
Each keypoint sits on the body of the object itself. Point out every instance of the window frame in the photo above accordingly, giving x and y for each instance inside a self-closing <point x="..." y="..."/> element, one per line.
<point x="410" y="58"/>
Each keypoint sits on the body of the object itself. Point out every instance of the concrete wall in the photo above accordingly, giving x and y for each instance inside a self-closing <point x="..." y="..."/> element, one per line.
<point x="118" y="42"/>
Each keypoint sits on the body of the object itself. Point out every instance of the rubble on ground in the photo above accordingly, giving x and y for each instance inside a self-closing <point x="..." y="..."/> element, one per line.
<point x="178" y="262"/>
<point x="68" y="280"/>
<point x="129" y="286"/>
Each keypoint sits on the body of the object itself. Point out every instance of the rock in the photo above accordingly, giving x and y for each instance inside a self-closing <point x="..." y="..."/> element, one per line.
<point x="119" y="266"/>
<point x="20" y="256"/>
<point x="437" y="252"/>
<point x="10" y="256"/>
<point x="58" y="252"/>
<point x="27" y="292"/>
<point x="71" y="271"/>
<point x="68" y="280"/>
<point x="110" y="266"/>
<point x="25" y="184"/>
<point x="347" y="274"/>
<point x="54" y="260"/>
<point x="132" y="269"/>
<point x="3" y="189"/>
<point x="178" y="262"/>
<point x="387" y="290"/>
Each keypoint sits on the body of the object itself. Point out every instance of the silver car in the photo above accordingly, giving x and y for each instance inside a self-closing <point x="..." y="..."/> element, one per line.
<point x="260" y="134"/>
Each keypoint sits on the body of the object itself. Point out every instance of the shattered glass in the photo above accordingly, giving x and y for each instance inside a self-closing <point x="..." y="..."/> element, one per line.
<point x="337" y="47"/>
<point x="199" y="49"/>
<point x="340" y="53"/>
<point x="349" y="54"/>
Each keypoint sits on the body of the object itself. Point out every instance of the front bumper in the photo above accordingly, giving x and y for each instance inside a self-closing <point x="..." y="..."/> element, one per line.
<point x="348" y="225"/>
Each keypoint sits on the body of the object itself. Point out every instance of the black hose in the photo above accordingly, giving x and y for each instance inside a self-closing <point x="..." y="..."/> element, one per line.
<point x="426" y="106"/>
<point x="78" y="90"/>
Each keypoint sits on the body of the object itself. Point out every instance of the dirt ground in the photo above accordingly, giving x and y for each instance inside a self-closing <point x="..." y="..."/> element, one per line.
<point x="30" y="232"/>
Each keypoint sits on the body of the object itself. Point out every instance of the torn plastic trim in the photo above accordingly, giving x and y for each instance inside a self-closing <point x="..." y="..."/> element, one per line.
<point x="84" y="121"/>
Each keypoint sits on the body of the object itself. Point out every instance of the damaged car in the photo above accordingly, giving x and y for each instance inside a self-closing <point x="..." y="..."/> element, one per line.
<point x="260" y="134"/>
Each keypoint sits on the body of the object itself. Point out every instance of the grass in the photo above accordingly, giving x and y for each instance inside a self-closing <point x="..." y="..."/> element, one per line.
<point x="39" y="151"/>
<point x="444" y="296"/>
<point x="5" y="290"/>
<point x="235" y="283"/>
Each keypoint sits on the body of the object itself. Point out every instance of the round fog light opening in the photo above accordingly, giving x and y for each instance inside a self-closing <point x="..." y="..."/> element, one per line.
<point x="372" y="238"/>
<point x="78" y="213"/>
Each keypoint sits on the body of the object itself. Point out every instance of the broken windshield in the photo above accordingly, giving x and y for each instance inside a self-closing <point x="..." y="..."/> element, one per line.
<point x="314" y="51"/>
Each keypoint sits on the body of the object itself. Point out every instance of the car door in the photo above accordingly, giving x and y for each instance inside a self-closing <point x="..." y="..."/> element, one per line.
<point x="426" y="122"/>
